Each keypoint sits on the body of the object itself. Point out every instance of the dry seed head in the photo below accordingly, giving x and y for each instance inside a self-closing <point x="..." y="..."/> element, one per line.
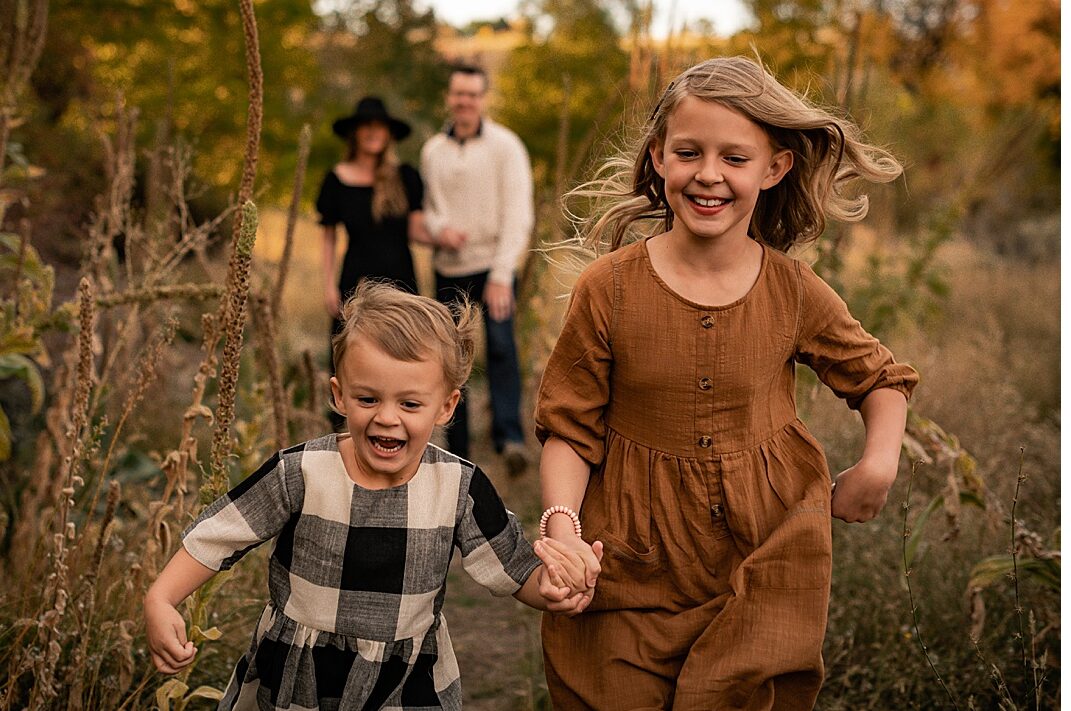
<point x="234" y="314"/>
<point x="86" y="317"/>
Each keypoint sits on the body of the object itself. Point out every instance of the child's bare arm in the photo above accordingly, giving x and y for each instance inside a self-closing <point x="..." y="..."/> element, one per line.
<point x="564" y="477"/>
<point x="164" y="626"/>
<point x="861" y="490"/>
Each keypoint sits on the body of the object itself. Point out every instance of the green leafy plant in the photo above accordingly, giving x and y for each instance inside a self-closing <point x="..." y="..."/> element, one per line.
<point x="25" y="315"/>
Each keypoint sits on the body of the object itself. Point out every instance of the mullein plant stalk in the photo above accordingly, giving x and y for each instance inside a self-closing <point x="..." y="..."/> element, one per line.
<point x="146" y="371"/>
<point x="254" y="121"/>
<point x="219" y="481"/>
<point x="232" y="308"/>
<point x="230" y="319"/>
<point x="164" y="292"/>
<point x="49" y="649"/>
<point x="177" y="463"/>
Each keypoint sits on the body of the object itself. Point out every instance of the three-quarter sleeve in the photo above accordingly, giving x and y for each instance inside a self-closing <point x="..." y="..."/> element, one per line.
<point x="575" y="388"/>
<point x="494" y="551"/>
<point x="414" y="187"/>
<point x="251" y="513"/>
<point x="850" y="361"/>
<point x="327" y="200"/>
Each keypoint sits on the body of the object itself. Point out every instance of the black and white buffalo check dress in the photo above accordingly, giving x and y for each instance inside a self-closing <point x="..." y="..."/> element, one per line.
<point x="358" y="577"/>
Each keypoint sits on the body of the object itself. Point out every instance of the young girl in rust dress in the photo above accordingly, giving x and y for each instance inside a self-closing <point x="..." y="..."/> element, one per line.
<point x="667" y="409"/>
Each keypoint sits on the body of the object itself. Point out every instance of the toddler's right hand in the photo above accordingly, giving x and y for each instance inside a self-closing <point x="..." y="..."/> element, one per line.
<point x="166" y="632"/>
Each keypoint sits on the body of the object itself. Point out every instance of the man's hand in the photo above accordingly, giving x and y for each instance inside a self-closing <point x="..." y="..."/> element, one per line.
<point x="499" y="300"/>
<point x="451" y="238"/>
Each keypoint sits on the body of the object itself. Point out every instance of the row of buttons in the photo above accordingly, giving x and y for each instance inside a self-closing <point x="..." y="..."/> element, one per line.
<point x="706" y="441"/>
<point x="706" y="384"/>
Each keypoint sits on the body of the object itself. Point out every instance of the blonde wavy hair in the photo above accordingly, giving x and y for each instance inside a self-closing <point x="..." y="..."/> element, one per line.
<point x="410" y="328"/>
<point x="828" y="152"/>
<point x="388" y="193"/>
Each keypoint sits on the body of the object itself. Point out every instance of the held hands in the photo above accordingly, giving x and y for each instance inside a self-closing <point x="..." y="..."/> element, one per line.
<point x="860" y="491"/>
<point x="569" y="573"/>
<point x="166" y="632"/>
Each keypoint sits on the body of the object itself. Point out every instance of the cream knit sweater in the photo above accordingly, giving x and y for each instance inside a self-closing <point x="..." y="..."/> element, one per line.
<point x="481" y="186"/>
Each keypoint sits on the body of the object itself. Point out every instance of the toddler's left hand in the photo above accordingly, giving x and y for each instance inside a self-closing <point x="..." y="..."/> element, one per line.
<point x="860" y="491"/>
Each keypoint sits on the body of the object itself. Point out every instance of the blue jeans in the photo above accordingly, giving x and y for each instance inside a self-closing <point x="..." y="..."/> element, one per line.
<point x="503" y="373"/>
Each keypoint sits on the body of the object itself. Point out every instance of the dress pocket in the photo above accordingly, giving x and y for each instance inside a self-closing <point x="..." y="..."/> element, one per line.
<point x="630" y="578"/>
<point x="798" y="554"/>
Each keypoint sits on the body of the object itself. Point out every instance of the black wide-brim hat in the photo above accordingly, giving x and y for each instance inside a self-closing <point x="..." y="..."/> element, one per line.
<point x="370" y="108"/>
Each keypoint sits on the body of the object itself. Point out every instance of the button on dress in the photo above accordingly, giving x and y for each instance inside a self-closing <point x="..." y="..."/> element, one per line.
<point x="709" y="494"/>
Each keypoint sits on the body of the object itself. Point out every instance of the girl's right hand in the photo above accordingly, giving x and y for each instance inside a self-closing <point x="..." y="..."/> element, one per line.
<point x="166" y="632"/>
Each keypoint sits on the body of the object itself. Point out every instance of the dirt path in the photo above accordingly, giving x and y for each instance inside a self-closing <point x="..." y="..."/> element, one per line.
<point x="497" y="639"/>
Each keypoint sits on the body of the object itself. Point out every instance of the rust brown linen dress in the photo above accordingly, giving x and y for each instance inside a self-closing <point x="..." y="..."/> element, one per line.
<point x="709" y="494"/>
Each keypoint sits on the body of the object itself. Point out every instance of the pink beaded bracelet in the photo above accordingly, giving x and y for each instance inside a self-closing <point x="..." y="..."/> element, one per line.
<point x="562" y="510"/>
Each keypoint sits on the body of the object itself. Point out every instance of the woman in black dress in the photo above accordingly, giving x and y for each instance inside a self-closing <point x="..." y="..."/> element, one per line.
<point x="378" y="200"/>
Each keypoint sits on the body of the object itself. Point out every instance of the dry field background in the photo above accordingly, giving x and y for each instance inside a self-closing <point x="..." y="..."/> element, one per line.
<point x="142" y="382"/>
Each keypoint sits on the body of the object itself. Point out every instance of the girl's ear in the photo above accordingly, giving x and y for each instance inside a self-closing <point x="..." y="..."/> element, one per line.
<point x="654" y="149"/>
<point x="448" y="407"/>
<point x="780" y="164"/>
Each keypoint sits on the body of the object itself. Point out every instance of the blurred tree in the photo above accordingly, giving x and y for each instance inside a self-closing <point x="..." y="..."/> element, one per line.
<point x="564" y="88"/>
<point x="965" y="91"/>
<point x="795" y="37"/>
<point x="387" y="48"/>
<point x="181" y="62"/>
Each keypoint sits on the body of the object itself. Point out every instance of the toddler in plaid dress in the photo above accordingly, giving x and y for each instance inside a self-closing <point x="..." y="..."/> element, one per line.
<point x="365" y="524"/>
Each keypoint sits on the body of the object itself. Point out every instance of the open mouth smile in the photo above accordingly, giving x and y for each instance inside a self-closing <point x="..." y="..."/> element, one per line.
<point x="386" y="445"/>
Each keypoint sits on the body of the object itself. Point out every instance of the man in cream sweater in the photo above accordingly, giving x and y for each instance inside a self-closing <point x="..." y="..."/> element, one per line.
<point x="478" y="210"/>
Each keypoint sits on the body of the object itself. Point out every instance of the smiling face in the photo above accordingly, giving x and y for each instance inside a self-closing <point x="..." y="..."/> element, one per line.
<point x="465" y="99"/>
<point x="715" y="162"/>
<point x="391" y="407"/>
<point x="372" y="138"/>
